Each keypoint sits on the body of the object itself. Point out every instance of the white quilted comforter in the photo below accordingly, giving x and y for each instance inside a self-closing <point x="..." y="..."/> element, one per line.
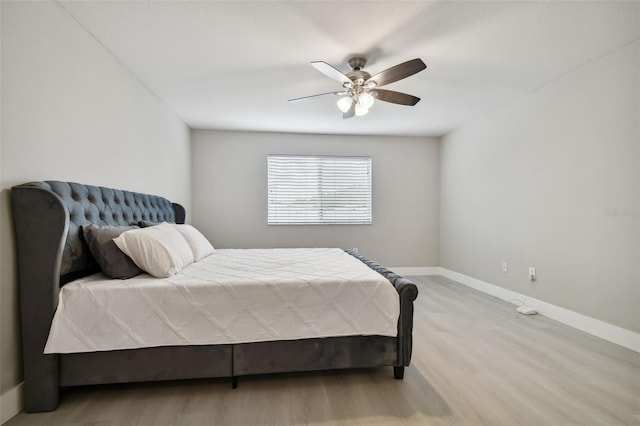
<point x="231" y="296"/>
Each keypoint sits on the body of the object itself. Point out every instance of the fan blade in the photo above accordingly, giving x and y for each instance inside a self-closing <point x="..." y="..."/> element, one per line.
<point x="394" y="97"/>
<point x="400" y="71"/>
<point x="304" y="98"/>
<point x="331" y="72"/>
<point x="351" y="112"/>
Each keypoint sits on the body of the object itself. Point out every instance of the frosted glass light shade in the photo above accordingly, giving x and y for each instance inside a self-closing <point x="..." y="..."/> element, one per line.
<point x="344" y="103"/>
<point x="361" y="109"/>
<point x="366" y="100"/>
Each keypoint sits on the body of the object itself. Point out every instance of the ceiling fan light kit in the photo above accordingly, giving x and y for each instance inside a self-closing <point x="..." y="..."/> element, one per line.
<point x="361" y="89"/>
<point x="363" y="100"/>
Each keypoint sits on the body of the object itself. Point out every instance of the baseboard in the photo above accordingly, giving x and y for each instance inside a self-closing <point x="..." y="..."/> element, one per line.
<point x="612" y="333"/>
<point x="10" y="403"/>
<point x="406" y="271"/>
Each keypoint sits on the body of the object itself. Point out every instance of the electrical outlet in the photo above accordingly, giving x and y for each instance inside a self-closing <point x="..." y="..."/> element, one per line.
<point x="532" y="273"/>
<point x="505" y="267"/>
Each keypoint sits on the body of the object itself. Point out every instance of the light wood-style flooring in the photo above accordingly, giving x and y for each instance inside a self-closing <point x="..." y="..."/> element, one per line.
<point x="475" y="362"/>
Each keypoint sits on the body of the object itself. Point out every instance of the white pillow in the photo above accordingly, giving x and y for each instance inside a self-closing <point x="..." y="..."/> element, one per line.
<point x="199" y="244"/>
<point x="159" y="250"/>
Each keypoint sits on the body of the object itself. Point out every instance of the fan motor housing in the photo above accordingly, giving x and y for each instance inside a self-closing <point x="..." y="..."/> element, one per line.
<point x="358" y="76"/>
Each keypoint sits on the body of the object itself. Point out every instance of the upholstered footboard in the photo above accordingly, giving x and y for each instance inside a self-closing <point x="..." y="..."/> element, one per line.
<point x="408" y="292"/>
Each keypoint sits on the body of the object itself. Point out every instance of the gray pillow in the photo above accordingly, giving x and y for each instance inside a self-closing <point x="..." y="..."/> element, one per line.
<point x="146" y="223"/>
<point x="112" y="261"/>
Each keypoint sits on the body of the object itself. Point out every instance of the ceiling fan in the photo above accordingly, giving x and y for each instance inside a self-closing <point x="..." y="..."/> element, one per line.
<point x="360" y="89"/>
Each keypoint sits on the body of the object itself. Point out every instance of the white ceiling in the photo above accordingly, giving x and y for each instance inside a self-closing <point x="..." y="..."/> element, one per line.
<point x="233" y="65"/>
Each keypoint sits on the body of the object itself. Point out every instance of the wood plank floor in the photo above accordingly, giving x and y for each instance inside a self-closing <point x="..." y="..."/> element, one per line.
<point x="475" y="362"/>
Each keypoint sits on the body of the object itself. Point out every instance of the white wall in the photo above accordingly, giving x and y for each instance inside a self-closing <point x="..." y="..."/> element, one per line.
<point x="229" y="183"/>
<point x="552" y="181"/>
<point x="71" y="111"/>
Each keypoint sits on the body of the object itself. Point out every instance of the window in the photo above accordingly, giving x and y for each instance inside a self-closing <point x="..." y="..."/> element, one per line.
<point x="318" y="190"/>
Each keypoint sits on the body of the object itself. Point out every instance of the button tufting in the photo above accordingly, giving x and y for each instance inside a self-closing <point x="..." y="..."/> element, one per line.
<point x="100" y="205"/>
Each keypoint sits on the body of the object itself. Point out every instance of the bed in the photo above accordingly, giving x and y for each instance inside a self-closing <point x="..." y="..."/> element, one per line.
<point x="52" y="254"/>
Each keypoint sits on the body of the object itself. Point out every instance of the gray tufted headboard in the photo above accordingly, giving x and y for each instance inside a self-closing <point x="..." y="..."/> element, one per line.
<point x="86" y="204"/>
<point x="51" y="252"/>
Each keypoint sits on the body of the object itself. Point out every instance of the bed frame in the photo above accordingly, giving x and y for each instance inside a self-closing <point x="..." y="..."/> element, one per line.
<point x="51" y="252"/>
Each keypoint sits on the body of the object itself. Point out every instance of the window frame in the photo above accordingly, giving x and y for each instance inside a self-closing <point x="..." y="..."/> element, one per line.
<point x="343" y="221"/>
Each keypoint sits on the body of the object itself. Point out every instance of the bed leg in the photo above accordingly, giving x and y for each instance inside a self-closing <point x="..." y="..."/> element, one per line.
<point x="234" y="382"/>
<point x="398" y="373"/>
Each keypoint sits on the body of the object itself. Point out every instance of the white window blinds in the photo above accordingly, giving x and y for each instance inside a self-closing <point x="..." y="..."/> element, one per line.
<point x="317" y="190"/>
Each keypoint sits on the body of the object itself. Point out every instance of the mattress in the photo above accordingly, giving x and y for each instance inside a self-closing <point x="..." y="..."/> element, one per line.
<point x="231" y="296"/>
